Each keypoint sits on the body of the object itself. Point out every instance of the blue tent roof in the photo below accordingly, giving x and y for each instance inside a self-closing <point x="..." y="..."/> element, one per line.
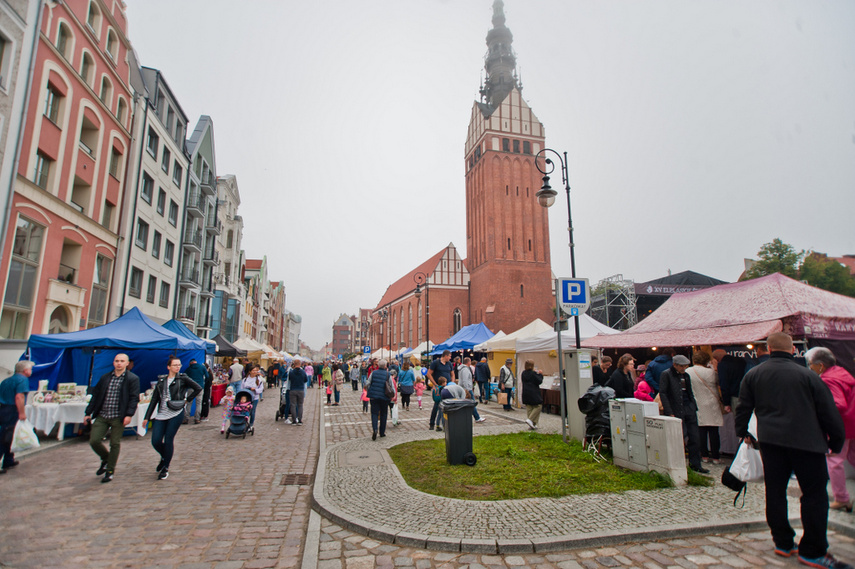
<point x="467" y="338"/>
<point x="182" y="330"/>
<point x="131" y="330"/>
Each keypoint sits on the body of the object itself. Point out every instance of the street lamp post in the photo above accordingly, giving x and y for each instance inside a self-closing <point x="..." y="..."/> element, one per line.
<point x="420" y="279"/>
<point x="546" y="197"/>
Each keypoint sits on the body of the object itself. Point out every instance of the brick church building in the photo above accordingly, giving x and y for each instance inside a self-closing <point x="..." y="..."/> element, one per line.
<point x="506" y="280"/>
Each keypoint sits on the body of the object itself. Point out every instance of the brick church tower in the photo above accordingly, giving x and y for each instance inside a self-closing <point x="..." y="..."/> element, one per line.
<point x="507" y="232"/>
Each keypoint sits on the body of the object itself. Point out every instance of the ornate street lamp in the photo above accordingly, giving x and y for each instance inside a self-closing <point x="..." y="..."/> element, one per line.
<point x="420" y="279"/>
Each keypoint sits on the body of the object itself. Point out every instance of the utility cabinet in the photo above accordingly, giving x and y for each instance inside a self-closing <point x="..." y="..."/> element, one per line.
<point x="629" y="442"/>
<point x="665" y="447"/>
<point x="620" y="444"/>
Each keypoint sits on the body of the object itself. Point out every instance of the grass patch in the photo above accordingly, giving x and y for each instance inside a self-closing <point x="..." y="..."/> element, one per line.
<point x="518" y="465"/>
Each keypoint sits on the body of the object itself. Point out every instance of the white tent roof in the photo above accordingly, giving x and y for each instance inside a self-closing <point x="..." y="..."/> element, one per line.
<point x="545" y="341"/>
<point x="249" y="345"/>
<point x="508" y="342"/>
<point x="382" y="353"/>
<point x="417" y="351"/>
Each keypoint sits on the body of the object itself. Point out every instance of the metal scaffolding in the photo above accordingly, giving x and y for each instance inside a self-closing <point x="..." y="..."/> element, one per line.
<point x="613" y="302"/>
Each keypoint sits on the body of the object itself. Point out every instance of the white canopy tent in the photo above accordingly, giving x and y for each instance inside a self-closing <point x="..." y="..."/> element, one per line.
<point x="508" y="342"/>
<point x="548" y="340"/>
<point x="416" y="352"/>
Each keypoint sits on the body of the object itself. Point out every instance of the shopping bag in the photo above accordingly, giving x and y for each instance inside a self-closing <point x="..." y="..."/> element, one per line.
<point x="747" y="465"/>
<point x="395" y="414"/>
<point x="502" y="398"/>
<point x="25" y="437"/>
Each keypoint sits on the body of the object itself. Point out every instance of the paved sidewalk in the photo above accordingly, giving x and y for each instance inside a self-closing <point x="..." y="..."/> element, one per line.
<point x="223" y="505"/>
<point x="374" y="518"/>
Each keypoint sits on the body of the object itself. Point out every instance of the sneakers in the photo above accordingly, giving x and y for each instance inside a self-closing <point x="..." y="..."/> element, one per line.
<point x="300" y="423"/>
<point x="786" y="552"/>
<point x="481" y="420"/>
<point x="826" y="562"/>
<point x="101" y="469"/>
<point x="374" y="436"/>
<point x="288" y="421"/>
<point x="439" y="429"/>
<point x="108" y="477"/>
<point x="160" y="465"/>
<point x="164" y="474"/>
<point x="530" y="424"/>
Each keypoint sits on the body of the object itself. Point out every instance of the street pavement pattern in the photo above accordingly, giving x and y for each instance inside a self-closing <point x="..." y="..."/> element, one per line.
<point x="224" y="506"/>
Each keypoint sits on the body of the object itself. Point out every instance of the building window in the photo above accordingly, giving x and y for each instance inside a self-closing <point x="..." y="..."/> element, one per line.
<point x="21" y="282"/>
<point x="107" y="214"/>
<point x="526" y="147"/>
<point x="458" y="320"/>
<point x="153" y="143"/>
<point x="164" y="294"/>
<point x="63" y="40"/>
<point x="506" y="144"/>
<point x="121" y="110"/>
<point x="88" y="136"/>
<point x="173" y="213"/>
<point x="164" y="161"/>
<point x="168" y="253"/>
<point x="522" y="291"/>
<point x="509" y="243"/>
<point x="410" y="325"/>
<point x="106" y="93"/>
<point x="230" y="239"/>
<point x="516" y="146"/>
<point x="116" y="164"/>
<point x="100" y="287"/>
<point x="135" y="286"/>
<point x="93" y="18"/>
<point x="419" y="312"/>
<point x="177" y="173"/>
<point x="112" y="45"/>
<point x="141" y="239"/>
<point x="161" y="201"/>
<point x="529" y="244"/>
<point x="41" y="176"/>
<point x="52" y="104"/>
<point x="155" y="244"/>
<point x="147" y="187"/>
<point x="87" y="68"/>
<point x="151" y="290"/>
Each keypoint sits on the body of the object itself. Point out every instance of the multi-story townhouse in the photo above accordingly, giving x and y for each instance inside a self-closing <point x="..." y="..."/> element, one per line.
<point x="276" y="324"/>
<point x="342" y="335"/>
<point x="362" y="327"/>
<point x="18" y="31"/>
<point x="228" y="288"/>
<point x="249" y="303"/>
<point x="256" y="270"/>
<point x="61" y="239"/>
<point x="293" y="325"/>
<point x="201" y="228"/>
<point x="153" y="209"/>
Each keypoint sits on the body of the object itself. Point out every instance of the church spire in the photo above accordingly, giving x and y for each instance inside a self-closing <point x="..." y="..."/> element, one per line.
<point x="500" y="61"/>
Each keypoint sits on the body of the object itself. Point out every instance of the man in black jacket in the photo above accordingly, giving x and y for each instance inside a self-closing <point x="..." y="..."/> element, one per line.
<point x="482" y="376"/>
<point x="114" y="401"/>
<point x="797" y="424"/>
<point x="678" y="400"/>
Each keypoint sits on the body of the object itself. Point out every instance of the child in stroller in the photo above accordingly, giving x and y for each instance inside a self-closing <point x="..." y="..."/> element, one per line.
<point x="239" y="420"/>
<point x="284" y="403"/>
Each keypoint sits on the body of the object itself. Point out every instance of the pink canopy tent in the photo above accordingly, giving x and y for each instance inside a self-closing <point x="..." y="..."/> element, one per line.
<point x="742" y="312"/>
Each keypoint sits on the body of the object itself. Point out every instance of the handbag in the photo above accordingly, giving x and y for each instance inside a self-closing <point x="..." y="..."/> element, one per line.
<point x="176" y="404"/>
<point x="390" y="387"/>
<point x="25" y="437"/>
<point x="502" y="398"/>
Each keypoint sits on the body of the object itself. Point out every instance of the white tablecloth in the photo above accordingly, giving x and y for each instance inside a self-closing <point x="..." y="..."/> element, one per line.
<point x="45" y="416"/>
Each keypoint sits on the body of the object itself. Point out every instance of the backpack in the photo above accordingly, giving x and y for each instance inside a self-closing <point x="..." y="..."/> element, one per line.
<point x="436" y="393"/>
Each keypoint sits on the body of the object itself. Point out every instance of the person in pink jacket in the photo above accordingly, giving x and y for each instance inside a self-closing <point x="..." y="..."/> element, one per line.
<point x="842" y="386"/>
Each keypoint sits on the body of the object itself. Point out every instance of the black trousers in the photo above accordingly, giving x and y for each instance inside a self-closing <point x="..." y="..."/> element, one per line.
<point x="779" y="463"/>
<point x="710" y="442"/>
<point x="693" y="437"/>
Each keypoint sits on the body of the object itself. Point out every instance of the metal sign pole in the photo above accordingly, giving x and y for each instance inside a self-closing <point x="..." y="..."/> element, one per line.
<point x="561" y="363"/>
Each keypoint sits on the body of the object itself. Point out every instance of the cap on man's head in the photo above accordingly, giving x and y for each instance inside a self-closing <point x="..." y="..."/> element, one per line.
<point x="681" y="360"/>
<point x="509" y="361"/>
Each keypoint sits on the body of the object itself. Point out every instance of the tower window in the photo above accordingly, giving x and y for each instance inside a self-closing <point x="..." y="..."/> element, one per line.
<point x="522" y="291"/>
<point x="529" y="244"/>
<point x="526" y="147"/>
<point x="507" y="189"/>
<point x="518" y="191"/>
<point x="509" y="243"/>
<point x="506" y="145"/>
<point x="516" y="147"/>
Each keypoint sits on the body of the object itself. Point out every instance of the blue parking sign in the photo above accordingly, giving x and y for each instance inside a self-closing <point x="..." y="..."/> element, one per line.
<point x="574" y="295"/>
<point x="366" y="349"/>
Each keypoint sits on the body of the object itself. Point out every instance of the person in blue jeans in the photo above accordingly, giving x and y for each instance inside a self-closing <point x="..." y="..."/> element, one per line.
<point x="379" y="400"/>
<point x="13" y="397"/>
<point x="254" y="384"/>
<point x="297" y="393"/>
<point x="171" y="390"/>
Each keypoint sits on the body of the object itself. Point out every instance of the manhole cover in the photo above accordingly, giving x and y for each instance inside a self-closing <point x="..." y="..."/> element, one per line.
<point x="363" y="458"/>
<point x="296" y="479"/>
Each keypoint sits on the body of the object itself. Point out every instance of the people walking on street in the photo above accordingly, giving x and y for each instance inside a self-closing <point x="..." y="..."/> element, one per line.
<point x="197" y="373"/>
<point x="482" y="376"/>
<point x="254" y="384"/>
<point x="406" y="382"/>
<point x="13" y="399"/>
<point x="378" y="398"/>
<point x="707" y="395"/>
<point x="338" y="382"/>
<point x="354" y="376"/>
<point x="436" y="395"/>
<point x="419" y="389"/>
<point x="678" y="400"/>
<point x="298" y="380"/>
<point x="440" y="367"/>
<point x="236" y="373"/>
<point x="622" y="379"/>
<point x="309" y="370"/>
<point x="532" y="399"/>
<point x="326" y="374"/>
<point x="114" y="401"/>
<point x="170" y="396"/>
<point x="797" y="424"/>
<point x="206" y="393"/>
<point x="228" y="402"/>
<point x="842" y="386"/>
<point x="506" y="383"/>
<point x="466" y="380"/>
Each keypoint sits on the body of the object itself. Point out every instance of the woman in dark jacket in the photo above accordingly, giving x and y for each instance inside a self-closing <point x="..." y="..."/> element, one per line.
<point x="532" y="399"/>
<point x="623" y="378"/>
<point x="171" y="393"/>
<point x="378" y="398"/>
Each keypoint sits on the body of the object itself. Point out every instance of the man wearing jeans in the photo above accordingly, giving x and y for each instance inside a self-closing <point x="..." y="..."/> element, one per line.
<point x="114" y="401"/>
<point x="254" y="384"/>
<point x="297" y="393"/>
<point x="13" y="396"/>
<point x="197" y="373"/>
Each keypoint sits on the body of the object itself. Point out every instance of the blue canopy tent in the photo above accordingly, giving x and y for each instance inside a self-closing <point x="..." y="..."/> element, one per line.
<point x="466" y="339"/>
<point x="182" y="330"/>
<point x="84" y="356"/>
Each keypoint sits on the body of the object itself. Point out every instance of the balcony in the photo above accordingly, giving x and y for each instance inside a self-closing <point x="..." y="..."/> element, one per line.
<point x="211" y="257"/>
<point x="186" y="312"/>
<point x="67" y="274"/>
<point x="204" y="323"/>
<point x="213" y="226"/>
<point x="209" y="184"/>
<point x="193" y="240"/>
<point x="189" y="276"/>
<point x="196" y="203"/>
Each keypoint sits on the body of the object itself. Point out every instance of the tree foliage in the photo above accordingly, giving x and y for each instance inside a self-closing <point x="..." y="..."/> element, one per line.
<point x="776" y="257"/>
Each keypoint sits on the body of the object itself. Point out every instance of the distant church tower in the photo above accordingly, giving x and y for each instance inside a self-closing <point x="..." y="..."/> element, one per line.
<point x="507" y="232"/>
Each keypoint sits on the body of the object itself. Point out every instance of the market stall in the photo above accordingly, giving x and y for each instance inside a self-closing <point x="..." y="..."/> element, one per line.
<point x="465" y="339"/>
<point x="226" y="349"/>
<point x="253" y="349"/>
<point x="182" y="330"/>
<point x="503" y="346"/>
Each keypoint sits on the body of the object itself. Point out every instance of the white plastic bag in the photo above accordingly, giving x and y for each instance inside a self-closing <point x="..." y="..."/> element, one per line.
<point x="747" y="464"/>
<point x="395" y="414"/>
<point x="25" y="437"/>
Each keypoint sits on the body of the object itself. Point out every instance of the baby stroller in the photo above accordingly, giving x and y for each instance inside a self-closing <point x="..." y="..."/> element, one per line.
<point x="282" y="412"/>
<point x="239" y="421"/>
<point x="595" y="405"/>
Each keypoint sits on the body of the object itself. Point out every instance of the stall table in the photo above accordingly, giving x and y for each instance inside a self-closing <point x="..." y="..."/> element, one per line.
<point x="45" y="416"/>
<point x="551" y="400"/>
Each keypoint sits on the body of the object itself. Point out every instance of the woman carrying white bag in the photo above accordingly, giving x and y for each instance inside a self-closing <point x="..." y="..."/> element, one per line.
<point x="13" y="397"/>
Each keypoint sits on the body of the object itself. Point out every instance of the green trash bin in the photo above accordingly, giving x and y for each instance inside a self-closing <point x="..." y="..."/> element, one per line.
<point x="458" y="431"/>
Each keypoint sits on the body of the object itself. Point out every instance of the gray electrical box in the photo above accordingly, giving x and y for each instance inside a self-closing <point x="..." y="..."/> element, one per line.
<point x="580" y="378"/>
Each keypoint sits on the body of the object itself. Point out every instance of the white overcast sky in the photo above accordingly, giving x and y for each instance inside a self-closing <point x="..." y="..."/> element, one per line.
<point x="696" y="130"/>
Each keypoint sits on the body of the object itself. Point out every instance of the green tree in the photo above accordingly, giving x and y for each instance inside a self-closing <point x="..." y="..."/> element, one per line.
<point x="820" y="271"/>
<point x="776" y="257"/>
